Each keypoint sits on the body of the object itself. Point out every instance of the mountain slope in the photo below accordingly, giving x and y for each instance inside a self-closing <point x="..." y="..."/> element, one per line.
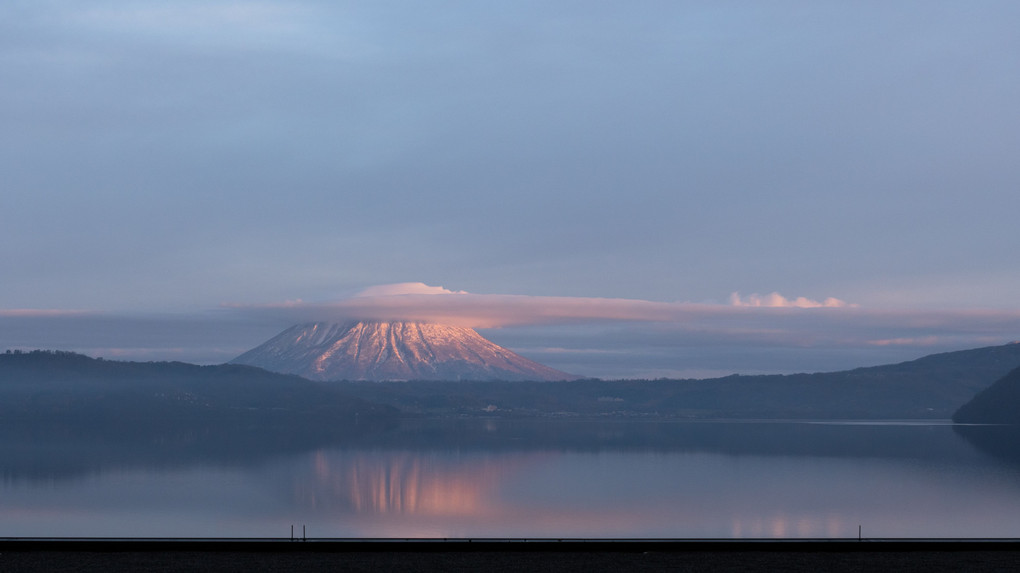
<point x="46" y="387"/>
<point x="991" y="420"/>
<point x="997" y="404"/>
<point x="932" y="387"/>
<point x="392" y="351"/>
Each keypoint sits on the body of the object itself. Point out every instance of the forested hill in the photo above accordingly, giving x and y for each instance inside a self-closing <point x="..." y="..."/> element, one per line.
<point x="43" y="387"/>
<point x="63" y="388"/>
<point x="931" y="387"/>
<point x="997" y="404"/>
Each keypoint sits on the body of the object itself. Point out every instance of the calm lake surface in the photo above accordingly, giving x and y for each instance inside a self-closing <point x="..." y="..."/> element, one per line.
<point x="504" y="478"/>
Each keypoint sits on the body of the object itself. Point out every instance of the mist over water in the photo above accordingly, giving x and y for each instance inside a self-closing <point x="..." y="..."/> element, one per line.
<point x="493" y="478"/>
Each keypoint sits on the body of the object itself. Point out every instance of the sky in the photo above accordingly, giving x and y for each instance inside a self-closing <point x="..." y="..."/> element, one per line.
<point x="614" y="189"/>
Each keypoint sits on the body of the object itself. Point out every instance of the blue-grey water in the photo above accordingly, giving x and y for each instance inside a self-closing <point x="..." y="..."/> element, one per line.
<point x="495" y="478"/>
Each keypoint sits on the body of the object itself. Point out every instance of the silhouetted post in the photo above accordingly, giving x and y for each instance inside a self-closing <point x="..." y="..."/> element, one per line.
<point x="292" y="532"/>
<point x="303" y="536"/>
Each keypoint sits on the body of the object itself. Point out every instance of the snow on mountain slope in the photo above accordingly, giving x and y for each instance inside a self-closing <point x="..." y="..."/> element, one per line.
<point x="392" y="351"/>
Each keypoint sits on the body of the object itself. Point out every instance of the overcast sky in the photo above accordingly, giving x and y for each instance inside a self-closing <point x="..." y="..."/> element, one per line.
<point x="171" y="170"/>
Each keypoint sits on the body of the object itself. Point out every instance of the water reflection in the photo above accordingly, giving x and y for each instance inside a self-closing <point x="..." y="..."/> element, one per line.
<point x="403" y="482"/>
<point x="782" y="525"/>
<point x="529" y="480"/>
<point x="1001" y="441"/>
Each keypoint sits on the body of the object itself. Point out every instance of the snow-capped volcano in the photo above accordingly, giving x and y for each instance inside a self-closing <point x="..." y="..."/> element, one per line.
<point x="392" y="351"/>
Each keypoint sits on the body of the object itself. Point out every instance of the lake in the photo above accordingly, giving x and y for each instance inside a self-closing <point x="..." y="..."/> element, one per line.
<point x="522" y="479"/>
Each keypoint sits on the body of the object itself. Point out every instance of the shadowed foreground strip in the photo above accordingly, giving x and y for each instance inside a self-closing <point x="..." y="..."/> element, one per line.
<point x="836" y="556"/>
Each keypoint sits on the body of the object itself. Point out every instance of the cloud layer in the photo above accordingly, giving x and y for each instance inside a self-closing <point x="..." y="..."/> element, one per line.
<point x="602" y="337"/>
<point x="405" y="288"/>
<point x="420" y="302"/>
<point x="769" y="319"/>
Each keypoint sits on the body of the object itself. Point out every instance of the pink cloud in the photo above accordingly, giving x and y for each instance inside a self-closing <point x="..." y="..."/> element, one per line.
<point x="777" y="300"/>
<point x="917" y="341"/>
<point x="405" y="288"/>
<point x="613" y="331"/>
<point x="754" y="321"/>
<point x="478" y="311"/>
<point x="420" y="302"/>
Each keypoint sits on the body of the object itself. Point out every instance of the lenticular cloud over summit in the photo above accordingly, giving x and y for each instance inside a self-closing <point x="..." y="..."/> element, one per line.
<point x="415" y="301"/>
<point x="405" y="288"/>
<point x="583" y="335"/>
<point x="741" y="322"/>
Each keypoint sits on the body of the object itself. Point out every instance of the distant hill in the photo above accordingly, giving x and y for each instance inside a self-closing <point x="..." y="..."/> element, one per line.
<point x="932" y="387"/>
<point x="63" y="389"/>
<point x="997" y="404"/>
<point x="42" y="388"/>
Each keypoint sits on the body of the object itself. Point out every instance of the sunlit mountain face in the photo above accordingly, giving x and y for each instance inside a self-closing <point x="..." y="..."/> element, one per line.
<point x="382" y="351"/>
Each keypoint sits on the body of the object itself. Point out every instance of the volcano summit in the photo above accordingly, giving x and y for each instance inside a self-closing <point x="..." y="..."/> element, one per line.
<point x="392" y="351"/>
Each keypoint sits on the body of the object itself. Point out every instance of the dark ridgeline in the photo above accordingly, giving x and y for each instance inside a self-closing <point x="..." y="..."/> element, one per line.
<point x="53" y="389"/>
<point x="79" y="413"/>
<point x="997" y="404"/>
<point x="932" y="387"/>
<point x="991" y="420"/>
<point x="64" y="414"/>
<point x="59" y="387"/>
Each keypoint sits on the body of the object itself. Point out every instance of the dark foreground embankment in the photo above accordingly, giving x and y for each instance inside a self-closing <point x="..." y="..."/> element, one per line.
<point x="377" y="556"/>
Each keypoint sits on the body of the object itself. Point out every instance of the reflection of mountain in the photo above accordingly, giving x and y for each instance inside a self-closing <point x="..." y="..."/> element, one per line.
<point x="763" y="438"/>
<point x="530" y="478"/>
<point x="392" y="351"/>
<point x="1000" y="441"/>
<point x="29" y="456"/>
<point x="632" y="480"/>
<point x="63" y="453"/>
<point x="405" y="482"/>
